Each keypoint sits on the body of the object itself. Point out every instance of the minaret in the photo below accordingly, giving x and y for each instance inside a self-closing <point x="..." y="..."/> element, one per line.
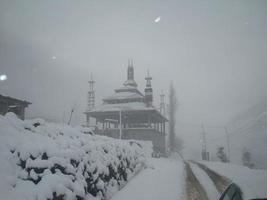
<point x="91" y="94"/>
<point x="130" y="70"/>
<point x="162" y="104"/>
<point x="91" y="99"/>
<point x="148" y="90"/>
<point x="130" y="75"/>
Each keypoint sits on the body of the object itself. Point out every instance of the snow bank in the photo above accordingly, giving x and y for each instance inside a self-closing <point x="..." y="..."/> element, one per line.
<point x="42" y="161"/>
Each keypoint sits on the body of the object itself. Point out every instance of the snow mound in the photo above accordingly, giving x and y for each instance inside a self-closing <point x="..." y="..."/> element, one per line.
<point x="43" y="161"/>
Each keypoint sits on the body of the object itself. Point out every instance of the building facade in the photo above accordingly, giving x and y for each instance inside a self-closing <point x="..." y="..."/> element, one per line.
<point x="9" y="104"/>
<point x="130" y="114"/>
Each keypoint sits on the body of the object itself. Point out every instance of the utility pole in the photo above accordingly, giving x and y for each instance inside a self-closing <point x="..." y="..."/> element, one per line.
<point x="204" y="154"/>
<point x="228" y="142"/>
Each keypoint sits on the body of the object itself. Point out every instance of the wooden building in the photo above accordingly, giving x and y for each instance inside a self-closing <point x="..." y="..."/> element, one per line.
<point x="130" y="114"/>
<point x="9" y="104"/>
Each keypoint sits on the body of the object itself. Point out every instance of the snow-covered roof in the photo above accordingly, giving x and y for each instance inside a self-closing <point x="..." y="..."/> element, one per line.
<point x="127" y="98"/>
<point x="8" y="98"/>
<point x="130" y="82"/>
<point x="125" y="95"/>
<point x="127" y="88"/>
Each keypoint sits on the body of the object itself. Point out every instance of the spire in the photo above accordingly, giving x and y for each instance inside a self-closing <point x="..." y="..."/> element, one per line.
<point x="129" y="62"/>
<point x="148" y="79"/>
<point x="130" y="75"/>
<point x="130" y="70"/>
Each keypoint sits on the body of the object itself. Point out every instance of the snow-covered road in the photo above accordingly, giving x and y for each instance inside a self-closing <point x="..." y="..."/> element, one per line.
<point x="206" y="182"/>
<point x="169" y="179"/>
<point x="164" y="180"/>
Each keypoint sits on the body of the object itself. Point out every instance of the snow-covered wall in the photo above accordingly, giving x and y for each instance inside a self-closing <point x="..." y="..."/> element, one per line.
<point x="42" y="160"/>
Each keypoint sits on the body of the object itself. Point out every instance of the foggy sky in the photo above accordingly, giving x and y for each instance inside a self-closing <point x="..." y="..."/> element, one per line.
<point x="213" y="51"/>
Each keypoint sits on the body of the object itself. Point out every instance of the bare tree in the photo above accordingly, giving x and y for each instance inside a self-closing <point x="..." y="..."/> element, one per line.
<point x="172" y="113"/>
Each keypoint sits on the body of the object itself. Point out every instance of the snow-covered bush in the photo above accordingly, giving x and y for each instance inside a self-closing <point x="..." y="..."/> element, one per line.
<point x="56" y="161"/>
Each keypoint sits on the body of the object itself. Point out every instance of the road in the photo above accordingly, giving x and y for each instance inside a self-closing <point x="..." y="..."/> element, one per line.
<point x="194" y="189"/>
<point x="172" y="179"/>
<point x="203" y="183"/>
<point x="164" y="179"/>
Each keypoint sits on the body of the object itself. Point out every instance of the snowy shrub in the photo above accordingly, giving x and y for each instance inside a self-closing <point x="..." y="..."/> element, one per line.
<point x="56" y="161"/>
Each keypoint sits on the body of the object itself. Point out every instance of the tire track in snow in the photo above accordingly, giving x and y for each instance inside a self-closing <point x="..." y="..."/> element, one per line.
<point x="206" y="182"/>
<point x="219" y="181"/>
<point x="194" y="189"/>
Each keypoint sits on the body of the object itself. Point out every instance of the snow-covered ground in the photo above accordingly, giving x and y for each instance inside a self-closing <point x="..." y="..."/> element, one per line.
<point x="163" y="180"/>
<point x="253" y="183"/>
<point x="42" y="161"/>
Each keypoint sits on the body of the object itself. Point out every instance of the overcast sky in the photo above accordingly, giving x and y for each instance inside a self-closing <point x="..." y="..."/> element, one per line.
<point x="213" y="51"/>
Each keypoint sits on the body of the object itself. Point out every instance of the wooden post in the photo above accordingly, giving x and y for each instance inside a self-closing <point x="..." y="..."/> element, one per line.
<point x="87" y="120"/>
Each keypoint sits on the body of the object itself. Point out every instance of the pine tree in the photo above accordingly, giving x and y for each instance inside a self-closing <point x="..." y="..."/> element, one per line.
<point x="246" y="158"/>
<point x="172" y="113"/>
<point x="221" y="154"/>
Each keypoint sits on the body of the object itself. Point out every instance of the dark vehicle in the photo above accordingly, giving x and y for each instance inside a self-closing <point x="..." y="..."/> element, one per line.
<point x="232" y="192"/>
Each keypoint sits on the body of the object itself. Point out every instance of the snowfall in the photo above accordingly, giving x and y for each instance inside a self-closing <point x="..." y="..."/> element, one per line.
<point x="41" y="161"/>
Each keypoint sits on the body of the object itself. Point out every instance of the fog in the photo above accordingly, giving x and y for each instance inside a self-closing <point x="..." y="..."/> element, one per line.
<point x="213" y="51"/>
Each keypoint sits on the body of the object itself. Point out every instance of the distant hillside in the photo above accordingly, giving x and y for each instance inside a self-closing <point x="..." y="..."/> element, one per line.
<point x="247" y="118"/>
<point x="249" y="130"/>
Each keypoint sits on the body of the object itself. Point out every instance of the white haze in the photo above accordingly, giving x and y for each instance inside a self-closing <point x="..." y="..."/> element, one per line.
<point x="213" y="51"/>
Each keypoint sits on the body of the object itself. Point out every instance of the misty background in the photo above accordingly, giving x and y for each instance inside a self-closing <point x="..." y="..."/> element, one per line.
<point x="213" y="51"/>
